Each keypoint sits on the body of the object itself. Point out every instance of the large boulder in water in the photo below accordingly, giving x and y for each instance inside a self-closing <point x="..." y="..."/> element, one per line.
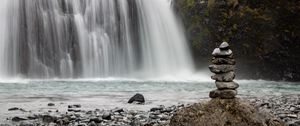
<point x="138" y="98"/>
<point x="223" y="112"/>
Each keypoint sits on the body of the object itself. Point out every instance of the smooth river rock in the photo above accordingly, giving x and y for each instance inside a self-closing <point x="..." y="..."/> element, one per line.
<point x="224" y="77"/>
<point x="220" y="61"/>
<point x="139" y="98"/>
<point x="227" y="85"/>
<point x="222" y="53"/>
<point x="223" y="94"/>
<point x="221" y="68"/>
<point x="224" y="46"/>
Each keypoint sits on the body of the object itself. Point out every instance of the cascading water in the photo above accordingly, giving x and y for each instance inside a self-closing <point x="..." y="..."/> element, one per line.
<point x="91" y="38"/>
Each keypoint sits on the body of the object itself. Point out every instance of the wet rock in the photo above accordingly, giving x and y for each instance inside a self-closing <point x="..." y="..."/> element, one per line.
<point x="13" y="109"/>
<point x="32" y="117"/>
<point x="228" y="94"/>
<point x="224" y="46"/>
<point x="214" y="94"/>
<point x="96" y="120"/>
<point x="74" y="106"/>
<point x="222" y="53"/>
<point x="292" y="116"/>
<point x="227" y="85"/>
<point x="119" y="110"/>
<point x="219" y="61"/>
<point x="51" y="104"/>
<point x="139" y="98"/>
<point x="221" y="68"/>
<point x="223" y="94"/>
<point x="92" y="124"/>
<point x="17" y="119"/>
<point x="48" y="118"/>
<point x="26" y="124"/>
<point x="157" y="109"/>
<point x="106" y="116"/>
<point x="224" y="77"/>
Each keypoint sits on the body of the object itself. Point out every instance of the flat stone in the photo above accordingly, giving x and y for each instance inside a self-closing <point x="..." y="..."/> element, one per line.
<point x="17" y="119"/>
<point x="227" y="85"/>
<point x="74" y="106"/>
<point x="223" y="94"/>
<point x="96" y="120"/>
<point x="227" y="94"/>
<point x="222" y="53"/>
<point x="219" y="61"/>
<point x="51" y="104"/>
<point x="221" y="68"/>
<point x="224" y="46"/>
<point x="224" y="77"/>
<point x="13" y="109"/>
<point x="214" y="94"/>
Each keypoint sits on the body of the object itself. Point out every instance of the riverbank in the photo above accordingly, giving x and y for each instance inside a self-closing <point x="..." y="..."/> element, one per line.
<point x="286" y="107"/>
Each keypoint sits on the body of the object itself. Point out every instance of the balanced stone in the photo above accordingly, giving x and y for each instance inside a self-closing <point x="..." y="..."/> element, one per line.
<point x="224" y="77"/>
<point x="214" y="94"/>
<point x="227" y="85"/>
<point x="219" y="61"/>
<point x="223" y="94"/>
<point x="222" y="53"/>
<point x="224" y="46"/>
<point x="227" y="94"/>
<point x="221" y="68"/>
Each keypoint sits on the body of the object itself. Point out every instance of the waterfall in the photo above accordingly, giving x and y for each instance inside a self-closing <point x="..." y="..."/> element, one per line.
<point x="91" y="39"/>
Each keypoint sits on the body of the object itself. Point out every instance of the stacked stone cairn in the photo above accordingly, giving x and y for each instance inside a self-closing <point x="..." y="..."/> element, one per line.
<point x="223" y="67"/>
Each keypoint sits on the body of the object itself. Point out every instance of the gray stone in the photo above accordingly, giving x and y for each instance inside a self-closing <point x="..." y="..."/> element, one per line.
<point x="139" y="98"/>
<point x="224" y="46"/>
<point x="13" y="109"/>
<point x="227" y="85"/>
<point x="106" y="116"/>
<point x="96" y="120"/>
<point x="48" y="118"/>
<point x="221" y="68"/>
<point x="219" y="61"/>
<point x="214" y="94"/>
<point x="74" y="106"/>
<point x="223" y="94"/>
<point x="222" y="53"/>
<point x="227" y="94"/>
<point x="17" y="119"/>
<point x="224" y="77"/>
<point x="26" y="124"/>
<point x="51" y="104"/>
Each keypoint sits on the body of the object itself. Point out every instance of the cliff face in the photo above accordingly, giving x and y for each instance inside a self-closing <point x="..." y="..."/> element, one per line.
<point x="265" y="34"/>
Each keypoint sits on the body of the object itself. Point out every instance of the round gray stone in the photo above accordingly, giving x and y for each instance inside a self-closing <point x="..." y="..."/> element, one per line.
<point x="219" y="61"/>
<point x="224" y="46"/>
<point x="223" y="94"/>
<point x="221" y="68"/>
<point x="227" y="94"/>
<point x="224" y="77"/>
<point x="222" y="53"/>
<point x="214" y="94"/>
<point x="227" y="85"/>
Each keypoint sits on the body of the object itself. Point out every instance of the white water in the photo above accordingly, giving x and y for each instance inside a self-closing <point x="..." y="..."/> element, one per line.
<point x="91" y="39"/>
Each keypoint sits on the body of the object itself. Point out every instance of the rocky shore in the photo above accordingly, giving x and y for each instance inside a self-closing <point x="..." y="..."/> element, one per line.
<point x="285" y="107"/>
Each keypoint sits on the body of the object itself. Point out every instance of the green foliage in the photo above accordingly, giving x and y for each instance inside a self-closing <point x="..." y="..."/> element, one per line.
<point x="256" y="29"/>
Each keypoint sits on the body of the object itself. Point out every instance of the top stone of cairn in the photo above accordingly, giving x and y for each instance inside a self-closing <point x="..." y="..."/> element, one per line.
<point x="222" y="51"/>
<point x="224" y="46"/>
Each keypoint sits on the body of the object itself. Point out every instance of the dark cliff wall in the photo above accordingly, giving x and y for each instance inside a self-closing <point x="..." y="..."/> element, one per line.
<point x="264" y="34"/>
